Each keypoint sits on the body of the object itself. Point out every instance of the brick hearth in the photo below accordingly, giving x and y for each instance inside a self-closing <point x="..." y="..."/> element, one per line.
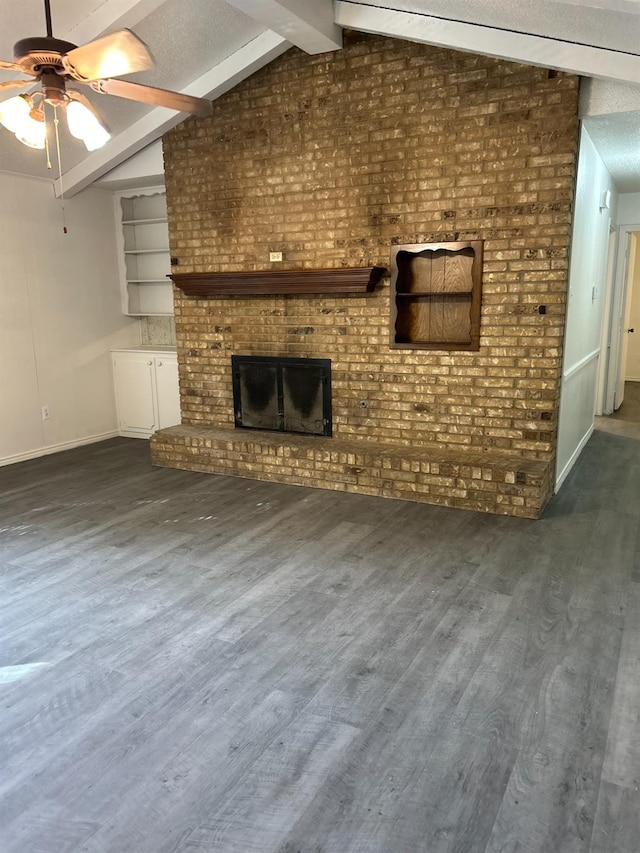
<point x="491" y="482"/>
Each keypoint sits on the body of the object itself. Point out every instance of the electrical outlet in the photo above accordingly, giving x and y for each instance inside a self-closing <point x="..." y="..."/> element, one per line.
<point x="275" y="257"/>
<point x="45" y="413"/>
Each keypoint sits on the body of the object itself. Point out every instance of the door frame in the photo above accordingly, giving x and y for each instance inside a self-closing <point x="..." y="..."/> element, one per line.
<point x="614" y="332"/>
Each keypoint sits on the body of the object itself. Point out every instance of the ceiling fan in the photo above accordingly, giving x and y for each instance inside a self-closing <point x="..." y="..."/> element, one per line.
<point x="52" y="63"/>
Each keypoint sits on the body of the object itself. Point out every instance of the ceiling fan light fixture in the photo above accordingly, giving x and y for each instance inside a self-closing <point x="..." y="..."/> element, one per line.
<point x="33" y="134"/>
<point x="85" y="125"/>
<point x="14" y="112"/>
<point x="19" y="116"/>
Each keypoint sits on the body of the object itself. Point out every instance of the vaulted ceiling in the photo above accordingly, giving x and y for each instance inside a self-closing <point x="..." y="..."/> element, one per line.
<point x="205" y="47"/>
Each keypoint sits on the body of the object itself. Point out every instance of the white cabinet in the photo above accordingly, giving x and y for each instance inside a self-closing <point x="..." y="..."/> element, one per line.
<point x="145" y="262"/>
<point x="146" y="389"/>
<point x="167" y="391"/>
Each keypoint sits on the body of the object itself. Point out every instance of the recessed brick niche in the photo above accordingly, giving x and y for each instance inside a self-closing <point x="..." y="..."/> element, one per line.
<point x="333" y="160"/>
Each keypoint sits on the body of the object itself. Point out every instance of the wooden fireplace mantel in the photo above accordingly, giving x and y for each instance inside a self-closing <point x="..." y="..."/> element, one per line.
<point x="208" y="285"/>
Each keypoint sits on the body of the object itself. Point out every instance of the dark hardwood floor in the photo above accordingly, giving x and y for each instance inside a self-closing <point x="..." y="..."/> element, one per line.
<point x="198" y="663"/>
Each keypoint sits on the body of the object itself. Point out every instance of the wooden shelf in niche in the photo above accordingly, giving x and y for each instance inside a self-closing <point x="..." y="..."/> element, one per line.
<point x="436" y="291"/>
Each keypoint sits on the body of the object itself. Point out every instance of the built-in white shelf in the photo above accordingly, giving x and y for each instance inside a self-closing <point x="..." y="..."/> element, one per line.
<point x="145" y="261"/>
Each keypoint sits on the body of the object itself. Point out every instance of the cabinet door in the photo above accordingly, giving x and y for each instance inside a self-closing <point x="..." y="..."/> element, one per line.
<point x="167" y="391"/>
<point x="134" y="385"/>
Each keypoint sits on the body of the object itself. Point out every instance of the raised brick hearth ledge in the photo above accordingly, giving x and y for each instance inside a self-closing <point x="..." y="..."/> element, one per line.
<point x="490" y="482"/>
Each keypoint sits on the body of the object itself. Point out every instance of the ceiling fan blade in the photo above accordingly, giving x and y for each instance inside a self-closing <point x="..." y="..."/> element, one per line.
<point x="120" y="53"/>
<point x="9" y="66"/>
<point x="11" y="84"/>
<point x="151" y="95"/>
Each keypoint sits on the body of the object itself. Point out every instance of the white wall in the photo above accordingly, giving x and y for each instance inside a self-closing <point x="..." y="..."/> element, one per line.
<point x="628" y="210"/>
<point x="59" y="316"/>
<point x="583" y="331"/>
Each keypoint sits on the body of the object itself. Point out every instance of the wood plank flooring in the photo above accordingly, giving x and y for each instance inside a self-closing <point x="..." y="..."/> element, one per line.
<point x="199" y="663"/>
<point x="630" y="408"/>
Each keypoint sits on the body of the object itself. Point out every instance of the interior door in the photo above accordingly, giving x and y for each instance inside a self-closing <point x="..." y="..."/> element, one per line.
<point x="623" y="326"/>
<point x="614" y="393"/>
<point x="632" y="364"/>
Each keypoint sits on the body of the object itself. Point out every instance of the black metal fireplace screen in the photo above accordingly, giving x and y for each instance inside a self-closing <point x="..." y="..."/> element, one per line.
<point x="284" y="394"/>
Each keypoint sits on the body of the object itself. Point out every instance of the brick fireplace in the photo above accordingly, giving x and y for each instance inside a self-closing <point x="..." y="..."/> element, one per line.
<point x="333" y="160"/>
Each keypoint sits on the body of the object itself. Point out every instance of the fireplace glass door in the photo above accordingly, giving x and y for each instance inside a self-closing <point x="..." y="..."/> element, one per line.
<point x="283" y="394"/>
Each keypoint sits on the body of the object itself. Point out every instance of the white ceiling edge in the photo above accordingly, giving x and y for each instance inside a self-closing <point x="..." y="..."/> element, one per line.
<point x="214" y="83"/>
<point x="629" y="6"/>
<point x="515" y="47"/>
<point x="54" y="182"/>
<point x="308" y="24"/>
<point x="602" y="97"/>
<point x="23" y="175"/>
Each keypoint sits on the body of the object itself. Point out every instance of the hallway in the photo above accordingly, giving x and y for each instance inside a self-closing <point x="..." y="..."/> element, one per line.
<point x="626" y="420"/>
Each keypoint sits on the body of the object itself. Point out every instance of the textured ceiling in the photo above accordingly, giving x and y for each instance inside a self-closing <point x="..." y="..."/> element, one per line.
<point x="190" y="37"/>
<point x="617" y="140"/>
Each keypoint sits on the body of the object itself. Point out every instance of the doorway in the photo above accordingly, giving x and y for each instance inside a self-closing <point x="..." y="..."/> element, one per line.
<point x="621" y="379"/>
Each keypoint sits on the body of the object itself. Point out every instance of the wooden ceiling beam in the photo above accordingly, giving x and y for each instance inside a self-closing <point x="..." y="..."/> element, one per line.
<point x="308" y="24"/>
<point x="529" y="49"/>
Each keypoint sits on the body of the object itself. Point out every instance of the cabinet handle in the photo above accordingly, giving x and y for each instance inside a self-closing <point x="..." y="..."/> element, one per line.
<point x="149" y="363"/>
<point x="159" y="364"/>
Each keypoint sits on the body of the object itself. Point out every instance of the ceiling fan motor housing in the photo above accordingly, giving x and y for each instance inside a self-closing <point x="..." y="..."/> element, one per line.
<point x="40" y="52"/>
<point x="53" y="89"/>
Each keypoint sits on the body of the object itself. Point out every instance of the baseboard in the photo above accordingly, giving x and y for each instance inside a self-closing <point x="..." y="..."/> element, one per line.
<point x="57" y="448"/>
<point x="572" y="461"/>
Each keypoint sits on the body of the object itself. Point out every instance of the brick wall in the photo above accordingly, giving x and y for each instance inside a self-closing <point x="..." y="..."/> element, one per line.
<point x="331" y="160"/>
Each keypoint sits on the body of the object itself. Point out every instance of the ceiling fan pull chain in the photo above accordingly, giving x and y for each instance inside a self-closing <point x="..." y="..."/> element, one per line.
<point x="46" y="137"/>
<point x="56" y="122"/>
